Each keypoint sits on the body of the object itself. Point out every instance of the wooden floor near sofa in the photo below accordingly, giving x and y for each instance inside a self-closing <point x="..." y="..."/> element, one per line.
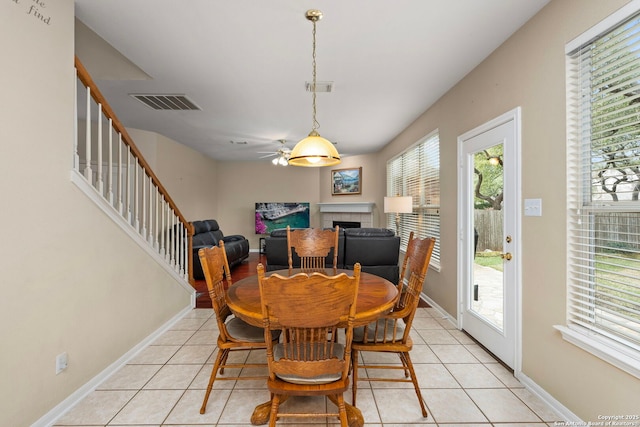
<point x="240" y="271"/>
<point x="247" y="268"/>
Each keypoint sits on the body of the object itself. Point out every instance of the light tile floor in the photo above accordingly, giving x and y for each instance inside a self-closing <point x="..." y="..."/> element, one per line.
<point x="164" y="385"/>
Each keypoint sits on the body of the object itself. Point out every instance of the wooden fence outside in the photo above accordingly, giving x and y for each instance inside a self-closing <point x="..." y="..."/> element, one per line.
<point x="489" y="226"/>
<point x="621" y="227"/>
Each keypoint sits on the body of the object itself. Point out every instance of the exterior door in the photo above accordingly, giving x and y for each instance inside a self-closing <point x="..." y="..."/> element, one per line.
<point x="489" y="236"/>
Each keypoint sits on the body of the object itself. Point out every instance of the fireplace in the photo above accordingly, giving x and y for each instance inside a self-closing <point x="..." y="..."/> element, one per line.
<point x="339" y="213"/>
<point x="346" y="224"/>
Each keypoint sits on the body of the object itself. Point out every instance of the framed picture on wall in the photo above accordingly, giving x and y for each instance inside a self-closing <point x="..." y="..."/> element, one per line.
<point x="346" y="181"/>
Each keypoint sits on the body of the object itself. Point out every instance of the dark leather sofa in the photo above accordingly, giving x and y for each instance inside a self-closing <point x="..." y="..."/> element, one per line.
<point x="376" y="249"/>
<point x="275" y="249"/>
<point x="206" y="234"/>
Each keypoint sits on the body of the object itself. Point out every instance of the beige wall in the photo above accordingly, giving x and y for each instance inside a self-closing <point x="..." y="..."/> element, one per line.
<point x="242" y="184"/>
<point x="71" y="281"/>
<point x="528" y="71"/>
<point x="374" y="184"/>
<point x="188" y="176"/>
<point x="228" y="191"/>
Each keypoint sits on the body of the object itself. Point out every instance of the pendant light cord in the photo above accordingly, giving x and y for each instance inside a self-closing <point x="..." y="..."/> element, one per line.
<point x="315" y="125"/>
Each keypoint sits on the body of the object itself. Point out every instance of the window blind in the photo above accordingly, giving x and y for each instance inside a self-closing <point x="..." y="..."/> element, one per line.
<point x="603" y="178"/>
<point x="416" y="173"/>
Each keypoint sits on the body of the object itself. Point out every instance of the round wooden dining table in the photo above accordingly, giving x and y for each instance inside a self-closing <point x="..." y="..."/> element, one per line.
<point x="376" y="297"/>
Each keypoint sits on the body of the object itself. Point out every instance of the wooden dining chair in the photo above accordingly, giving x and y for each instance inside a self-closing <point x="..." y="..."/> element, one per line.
<point x="308" y="360"/>
<point x="313" y="246"/>
<point x="234" y="333"/>
<point x="390" y="334"/>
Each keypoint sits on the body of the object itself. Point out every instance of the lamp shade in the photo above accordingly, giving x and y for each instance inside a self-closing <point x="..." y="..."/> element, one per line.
<point x="398" y="204"/>
<point x="314" y="151"/>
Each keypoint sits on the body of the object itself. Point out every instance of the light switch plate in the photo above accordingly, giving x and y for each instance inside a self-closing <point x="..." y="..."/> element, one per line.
<point x="532" y="207"/>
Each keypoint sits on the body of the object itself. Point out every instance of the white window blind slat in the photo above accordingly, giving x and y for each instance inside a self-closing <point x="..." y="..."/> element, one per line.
<point x="416" y="173"/>
<point x="603" y="178"/>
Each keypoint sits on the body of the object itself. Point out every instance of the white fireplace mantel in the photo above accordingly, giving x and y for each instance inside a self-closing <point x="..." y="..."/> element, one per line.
<point x="347" y="207"/>
<point x="349" y="211"/>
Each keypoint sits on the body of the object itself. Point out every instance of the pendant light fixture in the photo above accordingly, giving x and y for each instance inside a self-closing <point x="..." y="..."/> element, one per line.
<point x="314" y="150"/>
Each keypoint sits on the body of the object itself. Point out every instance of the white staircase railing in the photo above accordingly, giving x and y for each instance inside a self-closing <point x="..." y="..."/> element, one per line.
<point x="108" y="166"/>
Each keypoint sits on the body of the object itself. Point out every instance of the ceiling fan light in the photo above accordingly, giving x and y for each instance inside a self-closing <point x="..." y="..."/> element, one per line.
<point x="314" y="151"/>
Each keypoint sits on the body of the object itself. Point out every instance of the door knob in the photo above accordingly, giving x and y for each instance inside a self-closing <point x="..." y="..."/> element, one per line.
<point x="507" y="256"/>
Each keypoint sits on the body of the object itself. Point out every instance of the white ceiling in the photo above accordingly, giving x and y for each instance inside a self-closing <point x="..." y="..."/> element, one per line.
<point x="245" y="64"/>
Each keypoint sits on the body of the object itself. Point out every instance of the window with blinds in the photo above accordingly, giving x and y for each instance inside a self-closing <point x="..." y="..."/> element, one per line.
<point x="603" y="178"/>
<point x="416" y="173"/>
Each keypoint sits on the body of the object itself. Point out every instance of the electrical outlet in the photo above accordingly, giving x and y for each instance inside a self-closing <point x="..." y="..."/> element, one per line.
<point x="61" y="362"/>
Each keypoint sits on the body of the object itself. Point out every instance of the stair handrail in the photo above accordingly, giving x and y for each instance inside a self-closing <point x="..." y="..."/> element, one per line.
<point x="84" y="76"/>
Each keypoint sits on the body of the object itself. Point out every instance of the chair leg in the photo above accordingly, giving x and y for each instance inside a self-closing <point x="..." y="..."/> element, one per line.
<point x="223" y="361"/>
<point x="414" y="379"/>
<point x="354" y="380"/>
<point x="342" y="410"/>
<point x="404" y="363"/>
<point x="219" y="360"/>
<point x="275" y="403"/>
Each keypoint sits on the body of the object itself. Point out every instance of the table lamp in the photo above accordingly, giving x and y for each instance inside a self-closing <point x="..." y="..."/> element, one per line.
<point x="398" y="205"/>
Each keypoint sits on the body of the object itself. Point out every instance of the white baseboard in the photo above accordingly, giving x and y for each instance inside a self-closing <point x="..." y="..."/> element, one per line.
<point x="63" y="407"/>
<point x="563" y="411"/>
<point x="440" y="310"/>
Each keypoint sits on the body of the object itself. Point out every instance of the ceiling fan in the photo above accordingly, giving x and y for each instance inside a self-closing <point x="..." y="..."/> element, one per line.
<point x="282" y="154"/>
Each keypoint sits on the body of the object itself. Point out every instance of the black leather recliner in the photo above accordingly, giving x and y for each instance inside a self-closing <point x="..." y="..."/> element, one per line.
<point x="376" y="249"/>
<point x="206" y="234"/>
<point x="275" y="247"/>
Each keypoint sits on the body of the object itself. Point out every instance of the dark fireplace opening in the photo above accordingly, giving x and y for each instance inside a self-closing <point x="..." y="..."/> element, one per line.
<point x="346" y="224"/>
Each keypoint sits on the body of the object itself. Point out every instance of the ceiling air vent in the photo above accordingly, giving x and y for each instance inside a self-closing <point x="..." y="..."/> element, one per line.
<point x="166" y="102"/>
